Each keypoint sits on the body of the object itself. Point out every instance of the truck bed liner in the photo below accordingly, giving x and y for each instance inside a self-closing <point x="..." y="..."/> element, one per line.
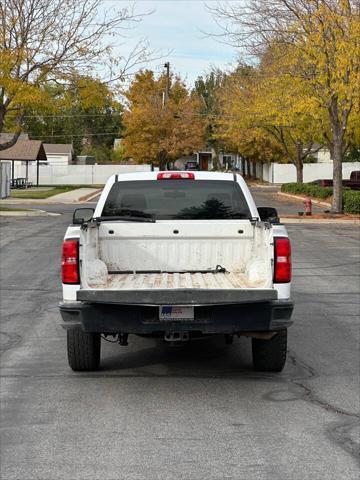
<point x="177" y="289"/>
<point x="145" y="281"/>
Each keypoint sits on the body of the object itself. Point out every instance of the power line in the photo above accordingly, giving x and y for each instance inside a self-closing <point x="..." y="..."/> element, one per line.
<point x="76" y="135"/>
<point x="210" y="115"/>
<point x="76" y="115"/>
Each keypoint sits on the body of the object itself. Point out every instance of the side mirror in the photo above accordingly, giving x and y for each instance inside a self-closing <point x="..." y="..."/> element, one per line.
<point x="82" y="215"/>
<point x="268" y="214"/>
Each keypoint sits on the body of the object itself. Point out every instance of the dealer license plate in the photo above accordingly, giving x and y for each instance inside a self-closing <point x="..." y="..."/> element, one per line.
<point x="173" y="312"/>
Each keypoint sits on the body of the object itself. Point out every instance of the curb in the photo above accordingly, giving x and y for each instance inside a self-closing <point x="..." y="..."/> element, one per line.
<point x="314" y="221"/>
<point x="90" y="196"/>
<point x="300" y="197"/>
<point x="260" y="185"/>
<point x="25" y="201"/>
<point x="24" y="213"/>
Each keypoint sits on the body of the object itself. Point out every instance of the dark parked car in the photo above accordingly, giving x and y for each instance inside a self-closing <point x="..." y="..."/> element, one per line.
<point x="353" y="182"/>
<point x="192" y="166"/>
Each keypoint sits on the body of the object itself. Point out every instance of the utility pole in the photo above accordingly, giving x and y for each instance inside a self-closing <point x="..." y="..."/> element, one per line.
<point x="167" y="91"/>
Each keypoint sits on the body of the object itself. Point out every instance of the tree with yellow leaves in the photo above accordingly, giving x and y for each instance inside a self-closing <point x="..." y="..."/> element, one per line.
<point x="277" y="108"/>
<point x="321" y="39"/>
<point x="255" y="118"/>
<point x="160" y="128"/>
<point x="51" y="41"/>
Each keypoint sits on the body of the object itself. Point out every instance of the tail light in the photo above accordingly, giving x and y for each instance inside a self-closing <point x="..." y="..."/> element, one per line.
<point x="282" y="270"/>
<point x="176" y="176"/>
<point x="70" y="261"/>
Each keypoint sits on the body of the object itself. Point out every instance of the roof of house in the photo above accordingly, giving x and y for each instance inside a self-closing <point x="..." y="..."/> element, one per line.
<point x="58" y="148"/>
<point x="24" y="150"/>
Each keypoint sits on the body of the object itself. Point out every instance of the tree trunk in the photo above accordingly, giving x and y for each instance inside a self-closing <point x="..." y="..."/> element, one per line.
<point x="2" y="116"/>
<point x="243" y="166"/>
<point x="162" y="160"/>
<point x="336" y="206"/>
<point x="215" y="158"/>
<point x="261" y="171"/>
<point x="10" y="143"/>
<point x="299" y="162"/>
<point x="299" y="172"/>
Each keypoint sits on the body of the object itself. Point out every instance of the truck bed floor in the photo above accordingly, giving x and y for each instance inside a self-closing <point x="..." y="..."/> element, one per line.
<point x="164" y="281"/>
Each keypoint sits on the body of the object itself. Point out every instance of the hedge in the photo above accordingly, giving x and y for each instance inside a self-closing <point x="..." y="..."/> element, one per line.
<point x="351" y="201"/>
<point x="351" y="198"/>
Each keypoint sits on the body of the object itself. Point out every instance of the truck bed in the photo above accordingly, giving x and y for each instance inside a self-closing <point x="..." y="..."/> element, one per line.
<point x="210" y="280"/>
<point x="177" y="289"/>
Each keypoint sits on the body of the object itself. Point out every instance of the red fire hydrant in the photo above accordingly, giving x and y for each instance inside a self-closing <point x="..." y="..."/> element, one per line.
<point x="308" y="206"/>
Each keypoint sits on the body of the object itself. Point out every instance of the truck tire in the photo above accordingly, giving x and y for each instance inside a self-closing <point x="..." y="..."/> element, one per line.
<point x="270" y="355"/>
<point x="83" y="350"/>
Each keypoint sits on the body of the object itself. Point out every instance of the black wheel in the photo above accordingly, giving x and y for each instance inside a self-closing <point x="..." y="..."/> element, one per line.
<point x="83" y="350"/>
<point x="270" y="355"/>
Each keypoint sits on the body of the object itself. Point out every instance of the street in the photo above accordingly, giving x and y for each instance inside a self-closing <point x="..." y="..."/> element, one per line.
<point x="195" y="412"/>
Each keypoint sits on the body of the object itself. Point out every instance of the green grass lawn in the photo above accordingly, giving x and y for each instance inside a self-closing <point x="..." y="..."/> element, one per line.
<point x="43" y="192"/>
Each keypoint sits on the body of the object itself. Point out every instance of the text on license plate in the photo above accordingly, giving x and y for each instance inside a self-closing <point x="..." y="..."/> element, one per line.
<point x="172" y="312"/>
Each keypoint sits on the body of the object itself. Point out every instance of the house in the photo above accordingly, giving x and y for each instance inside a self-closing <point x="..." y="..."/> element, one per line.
<point x="323" y="155"/>
<point x="206" y="160"/>
<point x="24" y="152"/>
<point x="59" y="153"/>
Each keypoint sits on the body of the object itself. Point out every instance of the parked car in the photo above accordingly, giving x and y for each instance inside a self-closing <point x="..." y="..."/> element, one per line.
<point x="192" y="166"/>
<point x="177" y="255"/>
<point x="353" y="182"/>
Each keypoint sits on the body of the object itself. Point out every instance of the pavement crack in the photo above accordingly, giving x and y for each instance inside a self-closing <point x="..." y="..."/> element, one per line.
<point x="344" y="435"/>
<point x="309" y="395"/>
<point x="340" y="433"/>
<point x="8" y="340"/>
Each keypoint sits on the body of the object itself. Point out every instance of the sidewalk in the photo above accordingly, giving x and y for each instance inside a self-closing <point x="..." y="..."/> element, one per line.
<point x="74" y="196"/>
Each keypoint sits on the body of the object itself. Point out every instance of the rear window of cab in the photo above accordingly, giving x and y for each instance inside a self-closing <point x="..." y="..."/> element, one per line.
<point x="177" y="200"/>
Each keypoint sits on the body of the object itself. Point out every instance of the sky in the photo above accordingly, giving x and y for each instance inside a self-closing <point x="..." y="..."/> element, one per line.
<point x="175" y="29"/>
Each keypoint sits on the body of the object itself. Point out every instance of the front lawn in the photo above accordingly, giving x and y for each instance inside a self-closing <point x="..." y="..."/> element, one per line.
<point x="46" y="191"/>
<point x="39" y="193"/>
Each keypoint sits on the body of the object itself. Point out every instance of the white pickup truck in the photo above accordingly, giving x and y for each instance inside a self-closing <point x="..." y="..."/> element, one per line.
<point x="176" y="255"/>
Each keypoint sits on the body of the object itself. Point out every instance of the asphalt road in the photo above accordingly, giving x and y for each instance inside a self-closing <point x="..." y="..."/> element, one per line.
<point x="193" y="412"/>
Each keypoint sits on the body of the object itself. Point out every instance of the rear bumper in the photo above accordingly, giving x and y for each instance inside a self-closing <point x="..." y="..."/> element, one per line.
<point x="210" y="319"/>
<point x="176" y="296"/>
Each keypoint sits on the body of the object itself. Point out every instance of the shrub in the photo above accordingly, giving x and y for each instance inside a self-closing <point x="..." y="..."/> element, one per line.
<point x="351" y="198"/>
<point x="351" y="201"/>
<point x="310" y="189"/>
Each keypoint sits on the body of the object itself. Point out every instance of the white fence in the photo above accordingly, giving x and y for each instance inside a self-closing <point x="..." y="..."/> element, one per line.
<point x="75" y="174"/>
<point x="286" y="173"/>
<point x="98" y="174"/>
